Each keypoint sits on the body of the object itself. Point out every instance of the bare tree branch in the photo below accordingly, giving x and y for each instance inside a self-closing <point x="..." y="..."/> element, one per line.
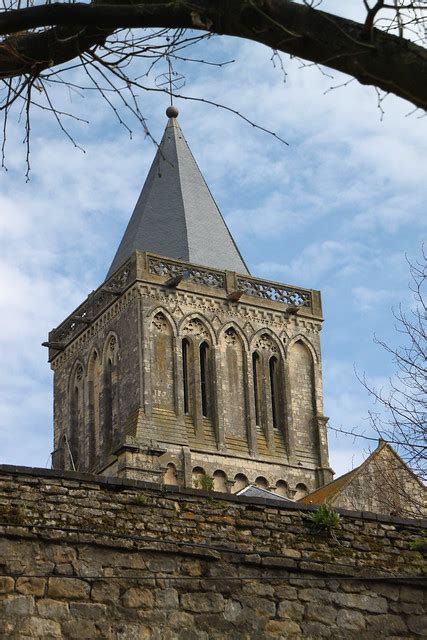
<point x="402" y="416"/>
<point x="374" y="57"/>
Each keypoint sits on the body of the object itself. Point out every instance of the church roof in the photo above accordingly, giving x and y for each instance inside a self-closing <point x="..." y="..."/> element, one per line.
<point x="252" y="491"/>
<point x="176" y="215"/>
<point x="329" y="492"/>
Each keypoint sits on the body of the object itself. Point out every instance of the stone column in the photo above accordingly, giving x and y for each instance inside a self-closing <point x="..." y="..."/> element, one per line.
<point x="178" y="382"/>
<point x="178" y="377"/>
<point x="322" y="421"/>
<point x="187" y="467"/>
<point x="217" y="397"/>
<point x="145" y="394"/>
<point x="289" y="427"/>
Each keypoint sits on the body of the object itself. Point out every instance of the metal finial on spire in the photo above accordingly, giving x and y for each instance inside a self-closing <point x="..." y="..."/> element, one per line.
<point x="170" y="81"/>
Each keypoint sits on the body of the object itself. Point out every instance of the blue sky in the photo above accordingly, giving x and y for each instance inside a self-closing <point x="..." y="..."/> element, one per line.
<point x="336" y="210"/>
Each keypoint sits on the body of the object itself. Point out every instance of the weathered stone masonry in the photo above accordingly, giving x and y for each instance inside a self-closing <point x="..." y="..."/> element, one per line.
<point x="166" y="383"/>
<point x="90" y="557"/>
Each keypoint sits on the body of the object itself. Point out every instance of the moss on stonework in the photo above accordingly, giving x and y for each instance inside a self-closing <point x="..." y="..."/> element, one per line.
<point x="13" y="513"/>
<point x="140" y="499"/>
<point x="419" y="544"/>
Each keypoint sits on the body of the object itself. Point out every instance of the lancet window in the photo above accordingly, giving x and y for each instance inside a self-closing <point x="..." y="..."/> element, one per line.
<point x="186" y="362"/>
<point x="274" y="390"/>
<point x="94" y="409"/>
<point x="204" y="378"/>
<point x="268" y="387"/>
<point x="72" y="444"/>
<point x="108" y="404"/>
<point x="110" y="394"/>
<point x="196" y="370"/>
<point x="257" y="387"/>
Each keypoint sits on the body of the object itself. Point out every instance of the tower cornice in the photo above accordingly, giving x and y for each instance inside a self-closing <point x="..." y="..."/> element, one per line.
<point x="294" y="304"/>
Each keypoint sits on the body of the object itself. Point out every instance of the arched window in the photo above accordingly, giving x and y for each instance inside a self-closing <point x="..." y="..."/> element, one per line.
<point x="257" y="386"/>
<point x="282" y="488"/>
<point x="220" y="481"/>
<point x="197" y="475"/>
<point x="274" y="390"/>
<point x="204" y="378"/>
<point x="233" y="386"/>
<point x="240" y="482"/>
<point x="74" y="431"/>
<point x="300" y="491"/>
<point x="73" y="442"/>
<point x="261" y="482"/>
<point x="94" y="408"/>
<point x="170" y="475"/>
<point x="186" y="374"/>
<point x="108" y="406"/>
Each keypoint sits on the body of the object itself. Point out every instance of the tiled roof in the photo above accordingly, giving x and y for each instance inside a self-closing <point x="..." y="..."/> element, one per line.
<point x="332" y="489"/>
<point x="252" y="491"/>
<point x="176" y="215"/>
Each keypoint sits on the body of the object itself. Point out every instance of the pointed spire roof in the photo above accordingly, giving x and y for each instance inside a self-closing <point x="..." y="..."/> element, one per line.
<point x="176" y="215"/>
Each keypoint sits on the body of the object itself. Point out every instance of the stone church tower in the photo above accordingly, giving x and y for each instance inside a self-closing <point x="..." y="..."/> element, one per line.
<point x="182" y="368"/>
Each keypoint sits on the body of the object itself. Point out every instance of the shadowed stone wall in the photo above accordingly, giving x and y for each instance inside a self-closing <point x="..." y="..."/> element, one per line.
<point x="90" y="557"/>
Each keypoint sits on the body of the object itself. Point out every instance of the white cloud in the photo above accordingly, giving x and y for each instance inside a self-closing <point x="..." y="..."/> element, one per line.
<point x="368" y="299"/>
<point x="318" y="260"/>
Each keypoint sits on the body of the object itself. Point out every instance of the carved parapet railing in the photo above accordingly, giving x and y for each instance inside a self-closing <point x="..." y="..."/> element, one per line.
<point x="199" y="275"/>
<point x="92" y="307"/>
<point x="138" y="266"/>
<point x="275" y="292"/>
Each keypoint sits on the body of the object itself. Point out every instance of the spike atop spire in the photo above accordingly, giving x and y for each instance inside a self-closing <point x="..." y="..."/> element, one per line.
<point x="176" y="215"/>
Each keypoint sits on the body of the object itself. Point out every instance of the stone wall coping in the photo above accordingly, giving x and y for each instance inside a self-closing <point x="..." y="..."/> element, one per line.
<point x="168" y="490"/>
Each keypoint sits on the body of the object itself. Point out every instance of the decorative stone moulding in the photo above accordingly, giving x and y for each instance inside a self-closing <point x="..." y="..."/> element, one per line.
<point x="95" y="304"/>
<point x="275" y="292"/>
<point x="159" y="322"/>
<point x="213" y="278"/>
<point x="98" y="301"/>
<point x="265" y="343"/>
<point x="196" y="328"/>
<point x="205" y="277"/>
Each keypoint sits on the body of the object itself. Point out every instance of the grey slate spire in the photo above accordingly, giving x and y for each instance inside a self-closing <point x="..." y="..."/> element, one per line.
<point x="176" y="215"/>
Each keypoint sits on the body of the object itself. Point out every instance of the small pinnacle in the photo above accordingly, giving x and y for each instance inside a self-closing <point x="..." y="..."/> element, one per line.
<point x="172" y="112"/>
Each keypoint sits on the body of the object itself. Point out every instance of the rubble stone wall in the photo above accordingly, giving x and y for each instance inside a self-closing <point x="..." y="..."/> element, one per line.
<point x="90" y="557"/>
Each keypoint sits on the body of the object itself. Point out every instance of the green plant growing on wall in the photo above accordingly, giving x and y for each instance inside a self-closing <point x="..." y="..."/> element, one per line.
<point x="140" y="499"/>
<point x="325" y="520"/>
<point x="205" y="482"/>
<point x="13" y="513"/>
<point x="419" y="544"/>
